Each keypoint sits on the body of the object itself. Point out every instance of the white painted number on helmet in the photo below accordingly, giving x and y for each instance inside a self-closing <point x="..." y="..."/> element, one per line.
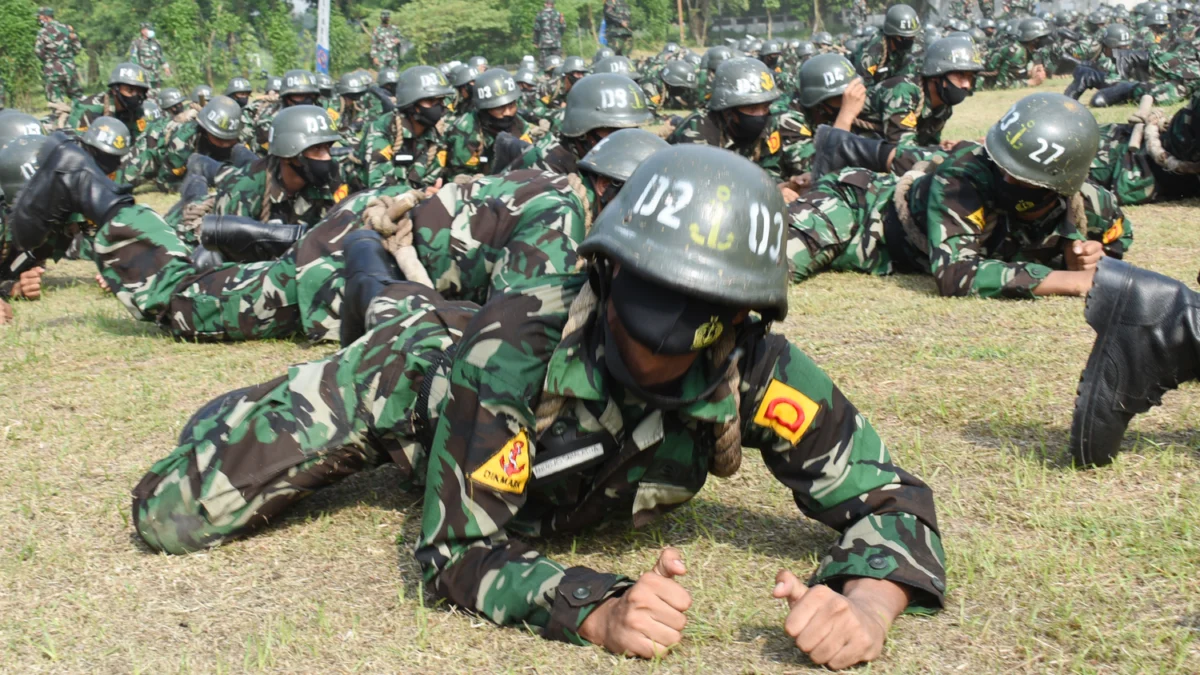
<point x="832" y="77"/>
<point x="316" y="124"/>
<point x="760" y="239"/>
<point x="1043" y="146"/>
<point x="681" y="196"/>
<point x="614" y="98"/>
<point x="1009" y="119"/>
<point x="29" y="168"/>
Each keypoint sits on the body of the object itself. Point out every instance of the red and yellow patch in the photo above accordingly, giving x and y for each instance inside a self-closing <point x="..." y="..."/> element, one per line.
<point x="141" y="124"/>
<point x="786" y="411"/>
<point x="387" y="153"/>
<point x="341" y="193"/>
<point x="508" y="469"/>
<point x="774" y="142"/>
<point x="872" y="69"/>
<point x="910" y="120"/>
<point x="1115" y="232"/>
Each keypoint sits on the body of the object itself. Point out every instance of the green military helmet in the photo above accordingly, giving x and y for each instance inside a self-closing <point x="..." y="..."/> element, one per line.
<point x="703" y="221"/>
<point x="986" y="23"/>
<point x="822" y="38"/>
<point x="858" y="31"/>
<point x="957" y="26"/>
<point x="743" y="81"/>
<point x="806" y="50"/>
<point x="463" y="76"/>
<point x="553" y="62"/>
<point x="221" y="117"/>
<point x="746" y="45"/>
<point x="273" y="84"/>
<point x="325" y="85"/>
<point x="714" y="57"/>
<point x="1062" y="20"/>
<point x="525" y="76"/>
<point x="478" y="63"/>
<point x="793" y="44"/>
<point x="238" y="85"/>
<point x="978" y="36"/>
<point x="1047" y="140"/>
<point x="388" y="77"/>
<point x="299" y="128"/>
<point x="1031" y="29"/>
<point x="14" y="123"/>
<point x="604" y="101"/>
<point x="18" y="163"/>
<point x="365" y="75"/>
<point x="350" y="84"/>
<point x="446" y="69"/>
<point x="1158" y="18"/>
<point x="151" y="111"/>
<point x="670" y="48"/>
<point x="298" y="83"/>
<point x="1142" y="8"/>
<point x="495" y="88"/>
<point x="421" y="82"/>
<point x="616" y="64"/>
<point x="618" y="154"/>
<point x="951" y="55"/>
<point x="601" y="54"/>
<point x="1185" y="9"/>
<point x="170" y="97"/>
<point x="901" y="21"/>
<point x="574" y="64"/>
<point x="1117" y="36"/>
<point x="770" y="48"/>
<point x="528" y="61"/>
<point x="200" y="94"/>
<point x="129" y="73"/>
<point x="692" y="58"/>
<point x="1097" y="19"/>
<point x="823" y="77"/>
<point x="679" y="73"/>
<point x="108" y="135"/>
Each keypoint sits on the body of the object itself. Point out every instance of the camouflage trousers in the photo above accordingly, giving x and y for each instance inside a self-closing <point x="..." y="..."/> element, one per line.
<point x="151" y="271"/>
<point x="1131" y="174"/>
<point x="61" y="83"/>
<point x="545" y="53"/>
<point x="1164" y="93"/>
<point x="622" y="44"/>
<point x="248" y="455"/>
<point x="831" y="228"/>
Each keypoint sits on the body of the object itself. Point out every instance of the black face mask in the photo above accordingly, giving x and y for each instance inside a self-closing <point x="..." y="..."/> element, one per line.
<point x="609" y="194"/>
<point x="745" y="128"/>
<point x="131" y="104"/>
<point x="107" y="163"/>
<point x="431" y="115"/>
<point x="242" y="99"/>
<point x="950" y="93"/>
<point x="294" y="100"/>
<point x="208" y="148"/>
<point x="318" y="172"/>
<point x="771" y="60"/>
<point x="354" y="97"/>
<point x="497" y="124"/>
<point x="1024" y="198"/>
<point x="902" y="44"/>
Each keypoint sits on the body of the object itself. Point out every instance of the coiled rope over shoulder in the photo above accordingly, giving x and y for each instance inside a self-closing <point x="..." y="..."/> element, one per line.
<point x="389" y="217"/>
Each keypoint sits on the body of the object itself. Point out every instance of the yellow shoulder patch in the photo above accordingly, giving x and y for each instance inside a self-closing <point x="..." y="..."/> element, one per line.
<point x="179" y="170"/>
<point x="508" y="469"/>
<point x="656" y="99"/>
<point x="786" y="411"/>
<point x="872" y="69"/>
<point x="441" y="157"/>
<point x="341" y="193"/>
<point x="333" y="115"/>
<point x="141" y="124"/>
<point x="774" y="142"/>
<point x="387" y="153"/>
<point x="977" y="218"/>
<point x="474" y="161"/>
<point x="1114" y="233"/>
<point x="526" y="137"/>
<point x="546" y="99"/>
<point x="910" y="120"/>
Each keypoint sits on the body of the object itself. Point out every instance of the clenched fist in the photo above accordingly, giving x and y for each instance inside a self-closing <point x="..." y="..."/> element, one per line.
<point x="649" y="618"/>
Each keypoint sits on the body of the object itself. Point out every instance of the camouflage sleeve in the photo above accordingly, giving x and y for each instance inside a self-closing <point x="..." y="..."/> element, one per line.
<point x="375" y="153"/>
<point x="141" y="164"/>
<point x="900" y="107"/>
<point x="40" y="47"/>
<point x="798" y="149"/>
<point x="464" y="550"/>
<point x="1107" y="223"/>
<point x="236" y="196"/>
<point x="958" y="227"/>
<point x="817" y="444"/>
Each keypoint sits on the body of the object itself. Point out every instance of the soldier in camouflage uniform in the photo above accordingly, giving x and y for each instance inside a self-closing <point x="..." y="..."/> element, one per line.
<point x="997" y="221"/>
<point x="1014" y="64"/>
<point x="859" y="13"/>
<point x="1121" y="73"/>
<point x="128" y="84"/>
<point x="213" y="133"/>
<point x="1165" y="169"/>
<point x="298" y="87"/>
<point x="495" y="413"/>
<point x="1155" y="32"/>
<point x="20" y="141"/>
<point x="548" y="28"/>
<point x="597" y="106"/>
<point x="350" y="112"/>
<point x="553" y="94"/>
<point x="405" y="147"/>
<point x="385" y="43"/>
<point x="56" y="47"/>
<point x="771" y="54"/>
<point x="738" y="118"/>
<point x="462" y="77"/>
<point x="239" y="89"/>
<point x="618" y="31"/>
<point x="469" y="143"/>
<point x="146" y="51"/>
<point x="674" y="88"/>
<point x="892" y="51"/>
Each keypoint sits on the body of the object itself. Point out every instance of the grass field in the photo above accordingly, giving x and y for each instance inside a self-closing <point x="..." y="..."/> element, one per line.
<point x="1050" y="569"/>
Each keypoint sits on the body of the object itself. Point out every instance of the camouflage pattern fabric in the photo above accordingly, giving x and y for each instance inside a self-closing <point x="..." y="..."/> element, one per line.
<point x="160" y="155"/>
<point x="244" y="192"/>
<point x="660" y="97"/>
<point x="897" y="107"/>
<point x="859" y="13"/>
<point x="56" y="47"/>
<point x="966" y="10"/>
<point x="618" y="31"/>
<point x="783" y="150"/>
<point x="256" y="134"/>
<point x="391" y="155"/>
<point x="385" y="46"/>
<point x="1006" y="67"/>
<point x="148" y="53"/>
<point x="548" y="28"/>
<point x="876" y="63"/>
<point x="837" y="224"/>
<point x="1173" y="78"/>
<point x="1133" y="176"/>
<point x="1018" y="8"/>
<point x="469" y="145"/>
<point x="548" y="154"/>
<point x="85" y="110"/>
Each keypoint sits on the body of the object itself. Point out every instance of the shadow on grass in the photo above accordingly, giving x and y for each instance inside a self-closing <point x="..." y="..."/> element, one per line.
<point x="1049" y="445"/>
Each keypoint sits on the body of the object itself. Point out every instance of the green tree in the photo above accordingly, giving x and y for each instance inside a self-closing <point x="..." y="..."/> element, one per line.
<point x="178" y="25"/>
<point x="19" y="67"/>
<point x="445" y="29"/>
<point x="279" y="35"/>
<point x="349" y="46"/>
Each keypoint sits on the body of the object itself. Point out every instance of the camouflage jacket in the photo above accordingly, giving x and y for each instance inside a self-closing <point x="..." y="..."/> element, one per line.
<point x="548" y="28"/>
<point x="1006" y="67"/>
<point x="88" y="108"/>
<point x="385" y="45"/>
<point x="548" y="154"/>
<point x="243" y="192"/>
<point x="617" y="17"/>
<point x="783" y="150"/>
<point x="1146" y="38"/>
<point x="977" y="244"/>
<point x="469" y="146"/>
<point x="876" y="64"/>
<point x="898" y="108"/>
<point x="1132" y="175"/>
<point x="609" y="457"/>
<point x="257" y="133"/>
<point x="659" y="97"/>
<point x="161" y="154"/>
<point x="391" y="155"/>
<point x="57" y="44"/>
<point x="147" y="53"/>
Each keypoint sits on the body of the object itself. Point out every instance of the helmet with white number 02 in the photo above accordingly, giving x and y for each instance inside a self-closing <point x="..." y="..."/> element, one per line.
<point x="1048" y="140"/>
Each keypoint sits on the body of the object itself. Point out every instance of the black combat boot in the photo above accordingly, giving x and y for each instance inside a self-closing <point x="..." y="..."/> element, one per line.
<point x="241" y="239"/>
<point x="836" y="149"/>
<point x="1147" y="342"/>
<point x="1114" y="94"/>
<point x="369" y="269"/>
